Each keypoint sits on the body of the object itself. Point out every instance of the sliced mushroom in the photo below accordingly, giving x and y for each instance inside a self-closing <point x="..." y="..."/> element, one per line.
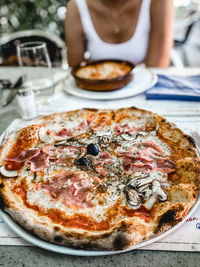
<point x="143" y="189"/>
<point x="103" y="133"/>
<point x="115" y="183"/>
<point x="148" y="188"/>
<point x="148" y="193"/>
<point x="150" y="202"/>
<point x="155" y="186"/>
<point x="128" y="137"/>
<point x="155" y="130"/>
<point x="161" y="195"/>
<point x="133" y="198"/>
<point x="61" y="143"/>
<point x="104" y="140"/>
<point x="75" y="137"/>
<point x="157" y="127"/>
<point x="157" y="189"/>
<point x="44" y="137"/>
<point x="142" y="175"/>
<point x="8" y="174"/>
<point x="144" y="181"/>
<point x="140" y="182"/>
<point x="121" y="187"/>
<point x="142" y="133"/>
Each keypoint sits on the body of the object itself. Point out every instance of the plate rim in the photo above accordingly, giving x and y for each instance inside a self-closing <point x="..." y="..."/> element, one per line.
<point x="91" y="94"/>
<point x="24" y="234"/>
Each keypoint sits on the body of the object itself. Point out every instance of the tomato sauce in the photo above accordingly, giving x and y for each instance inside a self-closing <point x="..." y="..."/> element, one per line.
<point x="25" y="140"/>
<point x="142" y="213"/>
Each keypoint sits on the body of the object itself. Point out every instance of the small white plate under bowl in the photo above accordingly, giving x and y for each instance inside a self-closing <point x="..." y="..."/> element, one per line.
<point x="81" y="252"/>
<point x="143" y="79"/>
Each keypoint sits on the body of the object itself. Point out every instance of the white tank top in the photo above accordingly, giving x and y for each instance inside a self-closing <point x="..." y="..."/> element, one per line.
<point x="134" y="50"/>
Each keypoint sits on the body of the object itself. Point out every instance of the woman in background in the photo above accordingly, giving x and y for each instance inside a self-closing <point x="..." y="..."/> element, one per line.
<point x="139" y="31"/>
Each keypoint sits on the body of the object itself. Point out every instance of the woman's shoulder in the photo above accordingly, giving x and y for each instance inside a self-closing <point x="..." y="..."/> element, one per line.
<point x="72" y="14"/>
<point x="71" y="6"/>
<point x="72" y="18"/>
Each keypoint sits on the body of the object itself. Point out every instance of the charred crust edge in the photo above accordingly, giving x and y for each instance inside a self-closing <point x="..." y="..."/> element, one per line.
<point x="90" y="109"/>
<point x="120" y="242"/>
<point x="191" y="140"/>
<point x="2" y="203"/>
<point x="58" y="239"/>
<point x="168" y="218"/>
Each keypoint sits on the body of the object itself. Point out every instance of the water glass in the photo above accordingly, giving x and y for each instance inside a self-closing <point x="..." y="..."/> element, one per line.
<point x="35" y="63"/>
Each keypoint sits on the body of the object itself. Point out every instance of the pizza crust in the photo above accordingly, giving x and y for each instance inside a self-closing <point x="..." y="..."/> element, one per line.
<point x="120" y="237"/>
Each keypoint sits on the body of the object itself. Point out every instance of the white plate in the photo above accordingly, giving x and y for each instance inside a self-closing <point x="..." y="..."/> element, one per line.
<point x="143" y="79"/>
<point x="80" y="252"/>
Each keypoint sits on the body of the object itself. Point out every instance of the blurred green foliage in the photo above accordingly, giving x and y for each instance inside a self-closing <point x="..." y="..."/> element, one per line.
<point x="20" y="15"/>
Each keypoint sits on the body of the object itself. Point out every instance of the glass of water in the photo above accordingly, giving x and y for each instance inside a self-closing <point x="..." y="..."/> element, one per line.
<point x="35" y="64"/>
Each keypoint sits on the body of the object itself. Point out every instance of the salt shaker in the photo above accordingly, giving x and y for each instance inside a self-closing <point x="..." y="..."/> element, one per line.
<point x="27" y="103"/>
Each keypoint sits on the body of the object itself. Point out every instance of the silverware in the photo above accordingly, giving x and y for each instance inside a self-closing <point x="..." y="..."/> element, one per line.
<point x="13" y="92"/>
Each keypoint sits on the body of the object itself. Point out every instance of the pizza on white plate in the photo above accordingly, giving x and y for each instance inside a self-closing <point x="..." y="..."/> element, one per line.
<point x="99" y="179"/>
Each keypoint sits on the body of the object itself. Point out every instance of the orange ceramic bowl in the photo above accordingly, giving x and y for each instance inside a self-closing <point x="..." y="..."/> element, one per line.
<point x="103" y="75"/>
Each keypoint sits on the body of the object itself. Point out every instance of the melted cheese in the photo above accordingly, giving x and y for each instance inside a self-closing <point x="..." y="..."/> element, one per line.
<point x="98" y="212"/>
<point x="106" y="70"/>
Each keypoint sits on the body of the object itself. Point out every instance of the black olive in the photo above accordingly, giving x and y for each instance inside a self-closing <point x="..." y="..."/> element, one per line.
<point x="83" y="161"/>
<point x="93" y="149"/>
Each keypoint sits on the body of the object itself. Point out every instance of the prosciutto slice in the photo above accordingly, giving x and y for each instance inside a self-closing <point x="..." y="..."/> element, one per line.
<point x="66" y="154"/>
<point x="127" y="129"/>
<point x="104" y="159"/>
<point x="36" y="157"/>
<point x="39" y="162"/>
<point x="64" y="132"/>
<point x="24" y="155"/>
<point x="70" y="151"/>
<point x="69" y="132"/>
<point x="98" y="125"/>
<point x="70" y="188"/>
<point x="152" y="145"/>
<point x="82" y="126"/>
<point x="146" y="156"/>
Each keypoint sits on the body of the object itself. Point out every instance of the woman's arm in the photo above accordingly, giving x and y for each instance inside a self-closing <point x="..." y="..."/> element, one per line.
<point x="74" y="35"/>
<point x="161" y="34"/>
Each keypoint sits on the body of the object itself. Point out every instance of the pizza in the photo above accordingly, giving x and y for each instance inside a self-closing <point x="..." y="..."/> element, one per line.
<point x="99" y="179"/>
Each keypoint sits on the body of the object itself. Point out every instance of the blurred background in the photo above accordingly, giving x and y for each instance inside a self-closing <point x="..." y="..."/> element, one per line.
<point x="48" y="17"/>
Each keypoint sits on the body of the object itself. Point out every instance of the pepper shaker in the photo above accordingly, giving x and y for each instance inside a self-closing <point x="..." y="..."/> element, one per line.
<point x="27" y="103"/>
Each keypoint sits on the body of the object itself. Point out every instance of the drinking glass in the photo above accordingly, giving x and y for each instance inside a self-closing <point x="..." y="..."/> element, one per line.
<point x="35" y="64"/>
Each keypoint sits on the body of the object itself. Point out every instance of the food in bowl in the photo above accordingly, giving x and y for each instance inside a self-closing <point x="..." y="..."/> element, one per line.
<point x="104" y="70"/>
<point x="103" y="75"/>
